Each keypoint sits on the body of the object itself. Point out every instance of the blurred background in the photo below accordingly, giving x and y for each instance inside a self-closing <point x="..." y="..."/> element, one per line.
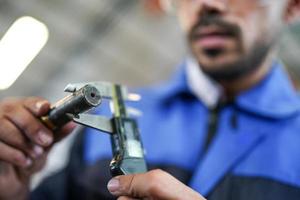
<point x="124" y="41"/>
<point x="132" y="42"/>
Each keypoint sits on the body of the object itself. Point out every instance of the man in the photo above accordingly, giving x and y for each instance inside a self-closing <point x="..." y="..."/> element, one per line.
<point x="227" y="131"/>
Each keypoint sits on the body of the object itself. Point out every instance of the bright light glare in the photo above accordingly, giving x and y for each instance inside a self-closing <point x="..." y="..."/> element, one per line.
<point x="19" y="46"/>
<point x="134" y="97"/>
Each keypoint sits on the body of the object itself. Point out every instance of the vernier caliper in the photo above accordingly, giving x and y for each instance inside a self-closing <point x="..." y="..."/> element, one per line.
<point x="128" y="153"/>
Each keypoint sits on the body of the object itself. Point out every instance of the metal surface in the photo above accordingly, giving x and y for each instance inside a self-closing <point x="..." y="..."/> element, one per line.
<point x="78" y="102"/>
<point x="105" y="89"/>
<point x="127" y="148"/>
<point x="128" y="152"/>
<point x="95" y="121"/>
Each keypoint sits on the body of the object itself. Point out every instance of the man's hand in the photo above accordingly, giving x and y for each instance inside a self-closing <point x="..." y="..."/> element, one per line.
<point x="156" y="185"/>
<point x="24" y="143"/>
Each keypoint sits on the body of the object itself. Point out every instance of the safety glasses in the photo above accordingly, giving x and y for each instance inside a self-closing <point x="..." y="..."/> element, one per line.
<point x="230" y="4"/>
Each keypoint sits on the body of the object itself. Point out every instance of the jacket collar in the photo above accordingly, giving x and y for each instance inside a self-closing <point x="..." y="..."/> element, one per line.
<point x="273" y="97"/>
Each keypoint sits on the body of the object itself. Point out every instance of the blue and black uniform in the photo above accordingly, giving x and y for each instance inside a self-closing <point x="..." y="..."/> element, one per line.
<point x="245" y="149"/>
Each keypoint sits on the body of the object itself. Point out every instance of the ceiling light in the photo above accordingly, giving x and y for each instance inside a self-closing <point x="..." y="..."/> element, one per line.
<point x="19" y="46"/>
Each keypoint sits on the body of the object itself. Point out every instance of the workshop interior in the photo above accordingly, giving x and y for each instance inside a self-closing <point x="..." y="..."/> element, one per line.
<point x="135" y="43"/>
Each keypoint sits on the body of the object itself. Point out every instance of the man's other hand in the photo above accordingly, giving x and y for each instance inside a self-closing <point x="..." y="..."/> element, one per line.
<point x="24" y="143"/>
<point x="156" y="185"/>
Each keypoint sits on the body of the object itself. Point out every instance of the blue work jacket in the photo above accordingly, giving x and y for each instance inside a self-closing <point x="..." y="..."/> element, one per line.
<point x="255" y="153"/>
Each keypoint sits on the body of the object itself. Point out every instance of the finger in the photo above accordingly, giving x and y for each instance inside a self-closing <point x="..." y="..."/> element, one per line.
<point x="30" y="126"/>
<point x="13" y="156"/>
<point x="39" y="163"/>
<point x="126" y="198"/>
<point x="5" y="168"/>
<point x="10" y="135"/>
<point x="37" y="106"/>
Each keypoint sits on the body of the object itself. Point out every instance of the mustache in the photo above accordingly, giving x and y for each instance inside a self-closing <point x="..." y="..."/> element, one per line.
<point x="205" y="21"/>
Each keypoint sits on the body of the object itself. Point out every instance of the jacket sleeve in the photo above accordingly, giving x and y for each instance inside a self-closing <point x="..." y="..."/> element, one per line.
<point x="52" y="188"/>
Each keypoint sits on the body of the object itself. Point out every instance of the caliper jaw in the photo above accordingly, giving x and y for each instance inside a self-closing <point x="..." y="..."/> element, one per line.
<point x="100" y="123"/>
<point x="127" y="148"/>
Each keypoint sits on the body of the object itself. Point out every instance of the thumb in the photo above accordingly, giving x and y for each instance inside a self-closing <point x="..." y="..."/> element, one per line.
<point x="137" y="185"/>
<point x="126" y="185"/>
<point x="155" y="184"/>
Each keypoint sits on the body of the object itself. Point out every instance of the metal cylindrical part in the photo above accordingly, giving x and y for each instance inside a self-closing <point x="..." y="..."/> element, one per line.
<point x="76" y="103"/>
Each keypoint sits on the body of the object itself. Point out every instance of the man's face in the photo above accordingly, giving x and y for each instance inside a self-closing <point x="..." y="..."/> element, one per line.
<point x="230" y="38"/>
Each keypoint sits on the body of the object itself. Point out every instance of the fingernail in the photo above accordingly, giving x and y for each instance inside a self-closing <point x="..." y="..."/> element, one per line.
<point x="38" y="150"/>
<point x="44" y="138"/>
<point x="113" y="185"/>
<point x="39" y="104"/>
<point x="28" y="162"/>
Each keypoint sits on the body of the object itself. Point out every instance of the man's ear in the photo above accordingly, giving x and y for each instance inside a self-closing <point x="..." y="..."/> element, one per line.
<point x="292" y="13"/>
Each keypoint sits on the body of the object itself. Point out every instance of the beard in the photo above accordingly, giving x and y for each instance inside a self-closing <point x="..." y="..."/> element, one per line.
<point x="246" y="63"/>
<point x="239" y="68"/>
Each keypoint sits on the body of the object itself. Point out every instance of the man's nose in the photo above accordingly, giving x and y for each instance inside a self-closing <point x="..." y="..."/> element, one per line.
<point x="211" y="7"/>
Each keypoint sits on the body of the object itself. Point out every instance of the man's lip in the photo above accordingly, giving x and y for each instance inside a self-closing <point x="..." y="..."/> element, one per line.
<point x="212" y="37"/>
<point x="213" y="42"/>
<point x="212" y="31"/>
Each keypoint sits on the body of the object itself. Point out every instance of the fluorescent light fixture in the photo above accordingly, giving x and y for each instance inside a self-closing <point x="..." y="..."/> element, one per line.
<point x="19" y="46"/>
